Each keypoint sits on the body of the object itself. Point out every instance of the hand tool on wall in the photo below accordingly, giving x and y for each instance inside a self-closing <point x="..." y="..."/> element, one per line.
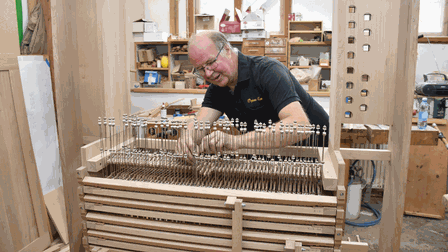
<point x="441" y="136"/>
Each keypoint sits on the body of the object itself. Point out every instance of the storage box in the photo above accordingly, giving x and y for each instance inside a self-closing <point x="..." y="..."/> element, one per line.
<point x="205" y="22"/>
<point x="324" y="62"/>
<point x="146" y="55"/>
<point x="226" y="26"/>
<point x="253" y="20"/>
<point x="152" y="77"/>
<point x="303" y="61"/>
<point x="143" y="25"/>
<point x="291" y="16"/>
<point x="275" y="42"/>
<point x="155" y="36"/>
<point x="313" y="85"/>
<point x="179" y="85"/>
<point x="254" y="34"/>
<point x="234" y="37"/>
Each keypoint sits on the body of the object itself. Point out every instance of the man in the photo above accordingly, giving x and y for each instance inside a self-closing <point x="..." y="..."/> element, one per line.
<point x="248" y="88"/>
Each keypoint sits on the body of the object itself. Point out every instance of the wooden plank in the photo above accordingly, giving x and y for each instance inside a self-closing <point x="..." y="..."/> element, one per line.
<point x="159" y="234"/>
<point x="191" y="21"/>
<point x="429" y="136"/>
<point x="55" y="203"/>
<point x="366" y="154"/>
<point x="155" y="242"/>
<point x="126" y="245"/>
<point x="173" y="208"/>
<point x="288" y="218"/>
<point x="289" y="227"/>
<point x="206" y="230"/>
<point x="38" y="205"/>
<point x="156" y="214"/>
<point x="68" y="106"/>
<point x="433" y="40"/>
<point x="403" y="53"/>
<point x="322" y="211"/>
<point x="347" y="246"/>
<point x="55" y="248"/>
<point x="38" y="244"/>
<point x="426" y="181"/>
<point x="192" y="229"/>
<point x="174" y="18"/>
<point x="353" y="133"/>
<point x="237" y="226"/>
<point x="212" y="193"/>
<point x="376" y="134"/>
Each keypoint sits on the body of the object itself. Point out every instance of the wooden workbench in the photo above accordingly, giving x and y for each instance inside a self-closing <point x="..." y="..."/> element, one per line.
<point x="427" y="170"/>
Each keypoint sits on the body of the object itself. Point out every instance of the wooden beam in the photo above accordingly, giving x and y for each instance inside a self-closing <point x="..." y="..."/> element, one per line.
<point x="285" y="24"/>
<point x="68" y="118"/>
<point x="366" y="154"/>
<point x="174" y="17"/>
<point x="403" y="51"/>
<point x="212" y="193"/>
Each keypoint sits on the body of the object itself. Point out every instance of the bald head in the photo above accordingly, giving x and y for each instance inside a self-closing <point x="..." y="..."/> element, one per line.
<point x="218" y="39"/>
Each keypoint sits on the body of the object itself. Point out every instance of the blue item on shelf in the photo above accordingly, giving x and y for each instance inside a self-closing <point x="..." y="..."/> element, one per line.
<point x="152" y="77"/>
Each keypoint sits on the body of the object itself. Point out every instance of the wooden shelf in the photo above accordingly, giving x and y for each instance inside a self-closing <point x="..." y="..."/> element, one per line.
<point x="305" y="32"/>
<point x="434" y="40"/>
<point x="323" y="67"/>
<point x="305" y="22"/>
<point x="178" y="53"/>
<point x="169" y="90"/>
<point x="327" y="43"/>
<point x="180" y="41"/>
<point x="151" y="43"/>
<point x="152" y="69"/>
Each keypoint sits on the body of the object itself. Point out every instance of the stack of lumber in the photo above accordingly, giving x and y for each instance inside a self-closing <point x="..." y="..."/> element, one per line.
<point x="183" y="48"/>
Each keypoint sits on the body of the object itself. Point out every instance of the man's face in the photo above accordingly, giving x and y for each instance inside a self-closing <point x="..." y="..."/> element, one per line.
<point x="202" y="55"/>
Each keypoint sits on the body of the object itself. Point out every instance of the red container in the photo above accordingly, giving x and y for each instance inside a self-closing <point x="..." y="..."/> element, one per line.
<point x="230" y="27"/>
<point x="291" y="16"/>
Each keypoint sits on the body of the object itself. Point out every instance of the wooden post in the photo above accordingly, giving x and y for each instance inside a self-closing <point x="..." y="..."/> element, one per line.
<point x="402" y="74"/>
<point x="237" y="222"/>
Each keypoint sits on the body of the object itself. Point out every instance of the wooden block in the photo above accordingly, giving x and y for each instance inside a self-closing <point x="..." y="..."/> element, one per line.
<point x="81" y="172"/>
<point x="55" y="203"/>
<point x="290" y="246"/>
<point x="80" y="191"/>
<point x="341" y="193"/>
<point x="377" y="134"/>
<point x="338" y="234"/>
<point x="354" y="133"/>
<point x="230" y="202"/>
<point x="340" y="214"/>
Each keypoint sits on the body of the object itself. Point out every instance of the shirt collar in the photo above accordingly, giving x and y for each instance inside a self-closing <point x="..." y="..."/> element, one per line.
<point x="243" y="67"/>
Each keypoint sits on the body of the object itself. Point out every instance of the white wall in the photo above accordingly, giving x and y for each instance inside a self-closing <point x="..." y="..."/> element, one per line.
<point x="428" y="56"/>
<point x="159" y="11"/>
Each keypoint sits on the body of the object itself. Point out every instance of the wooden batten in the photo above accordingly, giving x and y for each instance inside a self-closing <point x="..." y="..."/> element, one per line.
<point x="213" y="193"/>
<point x="366" y="154"/>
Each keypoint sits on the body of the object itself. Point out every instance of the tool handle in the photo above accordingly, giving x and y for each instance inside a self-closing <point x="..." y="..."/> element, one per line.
<point x="441" y="136"/>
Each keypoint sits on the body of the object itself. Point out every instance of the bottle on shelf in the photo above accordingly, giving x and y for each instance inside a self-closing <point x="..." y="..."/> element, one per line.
<point x="163" y="112"/>
<point x="423" y="113"/>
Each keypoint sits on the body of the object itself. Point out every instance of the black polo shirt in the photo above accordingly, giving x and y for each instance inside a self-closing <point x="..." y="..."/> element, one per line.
<point x="264" y="87"/>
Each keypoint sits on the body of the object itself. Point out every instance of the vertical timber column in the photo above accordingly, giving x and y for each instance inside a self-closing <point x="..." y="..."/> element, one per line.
<point x="237" y="222"/>
<point x="400" y="130"/>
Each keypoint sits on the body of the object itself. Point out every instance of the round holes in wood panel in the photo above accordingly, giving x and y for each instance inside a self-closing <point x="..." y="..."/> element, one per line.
<point x="351" y="24"/>
<point x="365" y="77"/>
<point x="363" y="107"/>
<point x="367" y="32"/>
<point x="364" y="93"/>
<point x="367" y="17"/>
<point x="349" y="85"/>
<point x="366" y="47"/>
<point x="350" y="70"/>
<point x="348" y="114"/>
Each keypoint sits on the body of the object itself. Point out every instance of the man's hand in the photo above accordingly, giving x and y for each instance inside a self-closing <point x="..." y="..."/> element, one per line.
<point x="186" y="145"/>
<point x="219" y="141"/>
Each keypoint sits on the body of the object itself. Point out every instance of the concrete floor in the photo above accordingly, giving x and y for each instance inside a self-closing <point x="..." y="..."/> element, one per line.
<point x="419" y="234"/>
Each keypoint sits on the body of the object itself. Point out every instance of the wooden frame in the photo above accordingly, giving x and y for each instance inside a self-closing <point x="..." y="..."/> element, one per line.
<point x="392" y="97"/>
<point x="319" y="216"/>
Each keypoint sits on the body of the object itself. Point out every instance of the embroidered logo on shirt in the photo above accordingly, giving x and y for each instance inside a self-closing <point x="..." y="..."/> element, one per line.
<point x="254" y="100"/>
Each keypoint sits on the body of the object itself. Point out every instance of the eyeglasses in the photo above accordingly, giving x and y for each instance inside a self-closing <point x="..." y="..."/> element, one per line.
<point x="208" y="66"/>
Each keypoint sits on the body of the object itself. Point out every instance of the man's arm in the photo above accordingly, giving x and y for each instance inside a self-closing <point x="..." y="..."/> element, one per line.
<point x="293" y="112"/>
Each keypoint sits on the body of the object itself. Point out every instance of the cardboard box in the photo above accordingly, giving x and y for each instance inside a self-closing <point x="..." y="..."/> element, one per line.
<point x="226" y="26"/>
<point x="138" y="36"/>
<point x="143" y="25"/>
<point x="204" y="22"/>
<point x="155" y="36"/>
<point x="253" y="20"/>
<point x="254" y="34"/>
<point x="313" y="85"/>
<point x="324" y="62"/>
<point x="146" y="55"/>
<point x="234" y="37"/>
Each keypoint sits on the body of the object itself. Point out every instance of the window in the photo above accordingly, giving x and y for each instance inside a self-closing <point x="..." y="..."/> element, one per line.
<point x="217" y="9"/>
<point x="431" y="17"/>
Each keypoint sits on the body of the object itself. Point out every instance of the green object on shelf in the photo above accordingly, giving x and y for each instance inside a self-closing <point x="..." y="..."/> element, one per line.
<point x="19" y="20"/>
